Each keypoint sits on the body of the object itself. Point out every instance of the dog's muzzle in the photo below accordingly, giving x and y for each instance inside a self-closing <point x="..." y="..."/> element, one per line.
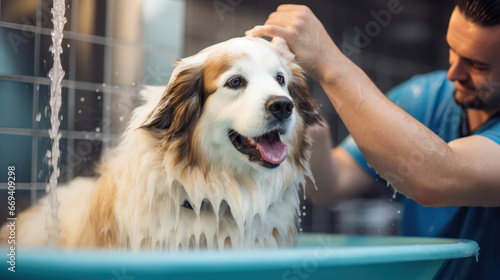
<point x="267" y="149"/>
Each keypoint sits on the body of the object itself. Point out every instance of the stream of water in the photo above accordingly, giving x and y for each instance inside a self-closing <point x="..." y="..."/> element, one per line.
<point x="56" y="75"/>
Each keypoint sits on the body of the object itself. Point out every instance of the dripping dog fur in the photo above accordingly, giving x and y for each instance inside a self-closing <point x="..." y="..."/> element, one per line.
<point x="215" y="160"/>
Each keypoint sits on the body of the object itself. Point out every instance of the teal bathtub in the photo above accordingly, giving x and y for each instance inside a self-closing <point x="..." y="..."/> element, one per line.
<point x="317" y="256"/>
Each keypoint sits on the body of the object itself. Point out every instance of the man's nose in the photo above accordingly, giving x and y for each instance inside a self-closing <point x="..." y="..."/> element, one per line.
<point x="458" y="70"/>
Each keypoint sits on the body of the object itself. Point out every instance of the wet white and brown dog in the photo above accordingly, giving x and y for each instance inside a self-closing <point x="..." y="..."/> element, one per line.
<point x="214" y="161"/>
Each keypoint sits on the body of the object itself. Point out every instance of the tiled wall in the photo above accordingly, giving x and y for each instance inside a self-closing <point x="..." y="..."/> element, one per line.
<point x="110" y="49"/>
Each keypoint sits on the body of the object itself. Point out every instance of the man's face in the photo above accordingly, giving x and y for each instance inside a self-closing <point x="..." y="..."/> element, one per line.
<point x="474" y="63"/>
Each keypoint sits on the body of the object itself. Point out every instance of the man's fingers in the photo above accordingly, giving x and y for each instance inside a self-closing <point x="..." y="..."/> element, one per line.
<point x="268" y="31"/>
<point x="289" y="8"/>
<point x="279" y="21"/>
<point x="282" y="15"/>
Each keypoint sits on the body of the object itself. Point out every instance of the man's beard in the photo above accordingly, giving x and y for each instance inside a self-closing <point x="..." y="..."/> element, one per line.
<point x="483" y="99"/>
<point x="475" y="103"/>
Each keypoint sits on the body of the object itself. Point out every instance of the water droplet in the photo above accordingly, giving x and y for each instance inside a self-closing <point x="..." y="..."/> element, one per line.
<point x="38" y="117"/>
<point x="97" y="90"/>
<point x="103" y="84"/>
<point x="48" y="154"/>
<point x="68" y="45"/>
<point x="87" y="136"/>
<point x="133" y="84"/>
<point x="304" y="207"/>
<point x="399" y="211"/>
<point x="98" y="129"/>
<point x="99" y="97"/>
<point x="61" y="118"/>
<point x="121" y="119"/>
<point x="82" y="99"/>
<point x="303" y="213"/>
<point x="37" y="87"/>
<point x="79" y="111"/>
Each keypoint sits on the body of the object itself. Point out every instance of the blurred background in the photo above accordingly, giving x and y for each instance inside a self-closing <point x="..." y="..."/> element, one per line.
<point x="112" y="48"/>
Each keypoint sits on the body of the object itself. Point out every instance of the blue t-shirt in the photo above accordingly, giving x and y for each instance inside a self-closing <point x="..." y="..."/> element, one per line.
<point x="429" y="99"/>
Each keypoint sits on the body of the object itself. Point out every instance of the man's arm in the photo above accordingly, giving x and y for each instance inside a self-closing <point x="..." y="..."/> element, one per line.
<point x="412" y="158"/>
<point x="417" y="162"/>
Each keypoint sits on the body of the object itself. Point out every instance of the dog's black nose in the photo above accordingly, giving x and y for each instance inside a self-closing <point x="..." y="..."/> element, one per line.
<point x="280" y="107"/>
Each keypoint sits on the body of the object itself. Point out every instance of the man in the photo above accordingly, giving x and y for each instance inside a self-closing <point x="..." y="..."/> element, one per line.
<point x="435" y="138"/>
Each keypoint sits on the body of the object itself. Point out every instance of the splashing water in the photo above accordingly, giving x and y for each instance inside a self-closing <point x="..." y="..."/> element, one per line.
<point x="308" y="173"/>
<point x="56" y="75"/>
<point x="394" y="195"/>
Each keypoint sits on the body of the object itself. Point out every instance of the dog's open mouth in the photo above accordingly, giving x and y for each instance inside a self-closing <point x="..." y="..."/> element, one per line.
<point x="267" y="149"/>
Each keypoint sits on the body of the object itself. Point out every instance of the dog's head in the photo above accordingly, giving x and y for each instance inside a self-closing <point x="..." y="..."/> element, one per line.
<point x="237" y="102"/>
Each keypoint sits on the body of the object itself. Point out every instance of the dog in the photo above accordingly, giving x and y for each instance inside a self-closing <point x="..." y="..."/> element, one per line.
<point x="214" y="161"/>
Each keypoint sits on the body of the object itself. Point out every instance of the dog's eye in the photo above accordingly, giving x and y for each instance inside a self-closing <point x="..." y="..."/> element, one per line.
<point x="280" y="78"/>
<point x="235" y="82"/>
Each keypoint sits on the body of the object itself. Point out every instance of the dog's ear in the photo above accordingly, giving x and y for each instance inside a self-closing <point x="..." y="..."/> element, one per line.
<point x="306" y="106"/>
<point x="180" y="106"/>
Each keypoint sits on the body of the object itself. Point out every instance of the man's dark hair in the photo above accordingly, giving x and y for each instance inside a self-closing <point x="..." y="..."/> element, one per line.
<point x="482" y="12"/>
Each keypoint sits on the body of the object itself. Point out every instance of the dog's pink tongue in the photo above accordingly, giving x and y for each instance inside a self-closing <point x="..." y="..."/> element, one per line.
<point x="274" y="152"/>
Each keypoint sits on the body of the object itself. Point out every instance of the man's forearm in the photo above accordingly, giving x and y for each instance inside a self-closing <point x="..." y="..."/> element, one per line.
<point x="401" y="149"/>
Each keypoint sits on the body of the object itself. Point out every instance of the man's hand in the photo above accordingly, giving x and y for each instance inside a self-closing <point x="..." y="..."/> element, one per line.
<point x="306" y="37"/>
